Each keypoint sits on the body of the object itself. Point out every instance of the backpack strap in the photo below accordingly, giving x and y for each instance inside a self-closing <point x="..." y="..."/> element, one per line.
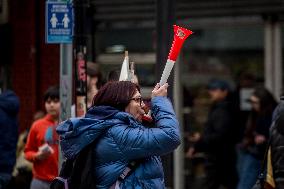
<point x="129" y="169"/>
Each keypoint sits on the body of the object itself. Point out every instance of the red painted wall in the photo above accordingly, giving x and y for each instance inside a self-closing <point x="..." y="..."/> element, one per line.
<point x="35" y="65"/>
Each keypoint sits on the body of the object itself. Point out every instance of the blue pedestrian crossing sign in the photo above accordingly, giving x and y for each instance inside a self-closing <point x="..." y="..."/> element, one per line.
<point x="59" y="22"/>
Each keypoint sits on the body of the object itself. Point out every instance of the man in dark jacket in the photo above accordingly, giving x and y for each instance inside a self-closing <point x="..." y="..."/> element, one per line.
<point x="217" y="141"/>
<point x="9" y="108"/>
<point x="277" y="144"/>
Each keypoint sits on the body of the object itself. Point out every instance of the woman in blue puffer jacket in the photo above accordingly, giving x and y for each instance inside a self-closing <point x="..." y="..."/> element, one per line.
<point x="114" y="120"/>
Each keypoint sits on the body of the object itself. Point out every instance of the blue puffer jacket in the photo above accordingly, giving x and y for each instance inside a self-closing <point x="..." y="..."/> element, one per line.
<point x="123" y="139"/>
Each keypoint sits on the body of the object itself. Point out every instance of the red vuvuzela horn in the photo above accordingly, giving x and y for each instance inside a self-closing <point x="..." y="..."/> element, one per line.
<point x="180" y="35"/>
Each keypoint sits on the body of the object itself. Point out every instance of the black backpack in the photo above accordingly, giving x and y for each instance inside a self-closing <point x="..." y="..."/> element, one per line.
<point x="77" y="173"/>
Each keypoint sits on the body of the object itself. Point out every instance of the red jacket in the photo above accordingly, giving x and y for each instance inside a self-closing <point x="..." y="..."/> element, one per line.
<point x="41" y="132"/>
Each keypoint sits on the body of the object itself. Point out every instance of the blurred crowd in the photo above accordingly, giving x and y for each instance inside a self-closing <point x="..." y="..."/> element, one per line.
<point x="232" y="143"/>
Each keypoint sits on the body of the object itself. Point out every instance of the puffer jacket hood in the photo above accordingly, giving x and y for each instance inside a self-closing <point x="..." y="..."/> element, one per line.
<point x="76" y="133"/>
<point x="9" y="102"/>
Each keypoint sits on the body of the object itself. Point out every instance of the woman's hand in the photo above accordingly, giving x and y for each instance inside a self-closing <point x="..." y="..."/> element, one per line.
<point x="195" y="137"/>
<point x="190" y="153"/>
<point x="160" y="90"/>
<point x="259" y="139"/>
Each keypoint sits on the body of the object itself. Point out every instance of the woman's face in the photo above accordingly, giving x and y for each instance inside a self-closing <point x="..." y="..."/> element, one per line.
<point x="255" y="103"/>
<point x="135" y="106"/>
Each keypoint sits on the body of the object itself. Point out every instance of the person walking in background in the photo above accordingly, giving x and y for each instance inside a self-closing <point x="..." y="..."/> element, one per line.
<point x="256" y="136"/>
<point x="9" y="109"/>
<point x="113" y="75"/>
<point x="114" y="121"/>
<point x="217" y="141"/>
<point x="94" y="81"/>
<point x="22" y="173"/>
<point x="246" y="82"/>
<point x="24" y="135"/>
<point x="42" y="144"/>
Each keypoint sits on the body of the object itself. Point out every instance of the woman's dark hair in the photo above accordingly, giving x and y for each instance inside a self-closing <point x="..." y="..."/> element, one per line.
<point x="52" y="93"/>
<point x="267" y="105"/>
<point x="117" y="94"/>
<point x="266" y="100"/>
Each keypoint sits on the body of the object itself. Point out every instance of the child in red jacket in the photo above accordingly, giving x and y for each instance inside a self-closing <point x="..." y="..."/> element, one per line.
<point x="42" y="144"/>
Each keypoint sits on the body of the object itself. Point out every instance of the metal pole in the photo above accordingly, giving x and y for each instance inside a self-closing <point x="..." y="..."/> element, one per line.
<point x="277" y="59"/>
<point x="178" y="104"/>
<point x="273" y="56"/>
<point x="268" y="56"/>
<point x="66" y="63"/>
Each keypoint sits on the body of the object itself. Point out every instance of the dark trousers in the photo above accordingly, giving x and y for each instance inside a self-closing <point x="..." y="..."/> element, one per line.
<point x="220" y="174"/>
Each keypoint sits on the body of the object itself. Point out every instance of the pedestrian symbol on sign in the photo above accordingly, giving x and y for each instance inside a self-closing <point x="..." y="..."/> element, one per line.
<point x="53" y="20"/>
<point x="65" y="21"/>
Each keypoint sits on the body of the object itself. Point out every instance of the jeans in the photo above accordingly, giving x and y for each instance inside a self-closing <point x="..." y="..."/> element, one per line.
<point x="250" y="169"/>
<point x="240" y="159"/>
<point x="39" y="184"/>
